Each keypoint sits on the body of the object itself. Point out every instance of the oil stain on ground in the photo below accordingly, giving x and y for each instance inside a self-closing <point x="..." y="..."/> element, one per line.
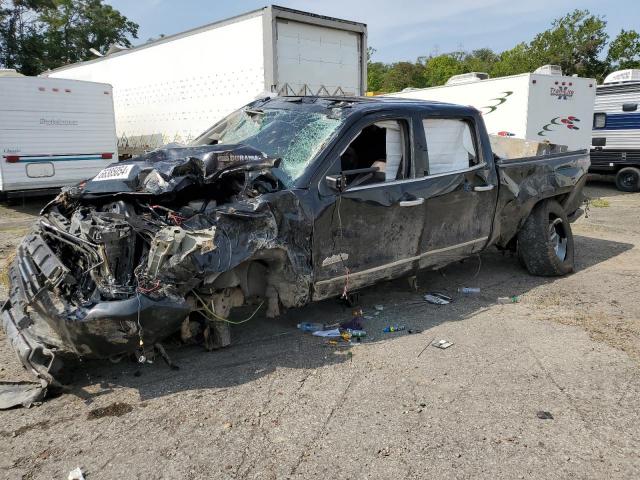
<point x="116" y="409"/>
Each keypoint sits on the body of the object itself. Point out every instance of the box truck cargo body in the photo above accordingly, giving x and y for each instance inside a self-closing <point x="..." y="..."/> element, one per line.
<point x="172" y="89"/>
<point x="530" y="106"/>
<point x="53" y="132"/>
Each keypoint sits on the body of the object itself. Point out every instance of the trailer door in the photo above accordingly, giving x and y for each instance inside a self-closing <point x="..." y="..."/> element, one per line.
<point x="315" y="60"/>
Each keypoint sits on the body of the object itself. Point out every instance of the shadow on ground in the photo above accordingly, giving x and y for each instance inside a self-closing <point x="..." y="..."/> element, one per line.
<point x="264" y="345"/>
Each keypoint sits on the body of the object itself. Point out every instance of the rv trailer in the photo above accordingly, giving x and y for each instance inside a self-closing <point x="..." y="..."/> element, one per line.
<point x="540" y="106"/>
<point x="53" y="133"/>
<point x="616" y="129"/>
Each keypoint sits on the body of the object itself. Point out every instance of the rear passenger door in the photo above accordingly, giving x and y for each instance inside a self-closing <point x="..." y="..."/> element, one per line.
<point x="459" y="187"/>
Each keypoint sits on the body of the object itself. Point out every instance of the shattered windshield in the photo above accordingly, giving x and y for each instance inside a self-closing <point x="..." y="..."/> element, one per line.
<point x="293" y="135"/>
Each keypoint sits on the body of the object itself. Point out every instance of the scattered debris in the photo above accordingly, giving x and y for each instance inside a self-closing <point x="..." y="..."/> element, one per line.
<point x="542" y="415"/>
<point x="357" y="333"/>
<point x="438" y="298"/>
<point x="355" y="323"/>
<point x="512" y="299"/>
<point x="327" y="333"/>
<point x="75" y="474"/>
<point x="394" y="328"/>
<point x="13" y="394"/>
<point x="468" y="290"/>
<point x="443" y="344"/>
<point x="311" y="327"/>
<point x="425" y="347"/>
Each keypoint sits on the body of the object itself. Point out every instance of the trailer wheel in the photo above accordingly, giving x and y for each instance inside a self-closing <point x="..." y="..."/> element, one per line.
<point x="628" y="179"/>
<point x="545" y="242"/>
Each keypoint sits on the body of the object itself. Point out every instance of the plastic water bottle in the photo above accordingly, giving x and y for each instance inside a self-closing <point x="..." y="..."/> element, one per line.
<point x="357" y="333"/>
<point x="394" y="328"/>
<point x="310" y="327"/>
<point x="469" y="290"/>
<point x="513" y="299"/>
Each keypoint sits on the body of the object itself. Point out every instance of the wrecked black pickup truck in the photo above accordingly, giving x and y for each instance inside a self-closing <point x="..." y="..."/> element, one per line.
<point x="289" y="200"/>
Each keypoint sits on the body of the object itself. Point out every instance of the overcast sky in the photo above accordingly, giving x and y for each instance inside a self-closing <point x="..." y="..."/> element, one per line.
<point x="398" y="29"/>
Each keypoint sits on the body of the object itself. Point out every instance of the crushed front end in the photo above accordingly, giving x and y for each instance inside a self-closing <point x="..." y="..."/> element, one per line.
<point x="167" y="243"/>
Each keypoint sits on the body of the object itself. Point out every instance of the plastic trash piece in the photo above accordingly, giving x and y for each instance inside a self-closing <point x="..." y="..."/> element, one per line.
<point x="394" y="328"/>
<point x="513" y="299"/>
<point x="357" y="333"/>
<point x="327" y="333"/>
<point x="542" y="415"/>
<point x="443" y="344"/>
<point x="76" y="474"/>
<point x="437" y="298"/>
<point x="311" y="327"/>
<point x="469" y="290"/>
<point x="379" y="307"/>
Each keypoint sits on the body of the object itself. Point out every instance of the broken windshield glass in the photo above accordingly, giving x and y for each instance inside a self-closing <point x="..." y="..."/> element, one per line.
<point x="293" y="135"/>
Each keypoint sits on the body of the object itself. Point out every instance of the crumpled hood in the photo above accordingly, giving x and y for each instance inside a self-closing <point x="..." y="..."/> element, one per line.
<point x="171" y="169"/>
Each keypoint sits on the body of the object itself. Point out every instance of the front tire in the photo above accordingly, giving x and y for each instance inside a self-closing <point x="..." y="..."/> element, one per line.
<point x="545" y="242"/>
<point x="628" y="179"/>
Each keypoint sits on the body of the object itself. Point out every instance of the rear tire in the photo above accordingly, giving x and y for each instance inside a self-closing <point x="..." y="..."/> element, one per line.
<point x="545" y="242"/>
<point x="628" y="179"/>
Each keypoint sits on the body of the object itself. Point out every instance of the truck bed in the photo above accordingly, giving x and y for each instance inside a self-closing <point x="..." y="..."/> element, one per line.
<point x="527" y="180"/>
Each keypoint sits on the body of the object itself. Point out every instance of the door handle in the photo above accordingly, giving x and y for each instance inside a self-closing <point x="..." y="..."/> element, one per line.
<point x="411" y="203"/>
<point x="483" y="188"/>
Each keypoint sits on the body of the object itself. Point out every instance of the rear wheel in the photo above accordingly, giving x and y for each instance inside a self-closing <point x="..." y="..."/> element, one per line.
<point x="545" y="242"/>
<point x="628" y="179"/>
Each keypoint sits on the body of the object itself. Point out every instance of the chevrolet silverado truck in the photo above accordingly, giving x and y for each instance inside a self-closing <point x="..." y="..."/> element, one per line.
<point x="286" y="201"/>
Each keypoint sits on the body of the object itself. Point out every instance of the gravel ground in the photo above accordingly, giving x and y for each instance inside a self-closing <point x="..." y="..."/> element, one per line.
<point x="283" y="404"/>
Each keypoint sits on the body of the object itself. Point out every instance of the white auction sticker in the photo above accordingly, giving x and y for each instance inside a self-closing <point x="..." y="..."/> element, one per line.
<point x="117" y="172"/>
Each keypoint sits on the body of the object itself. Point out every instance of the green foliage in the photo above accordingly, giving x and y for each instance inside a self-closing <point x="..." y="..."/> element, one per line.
<point x="37" y="35"/>
<point x="574" y="42"/>
<point x="577" y="42"/>
<point x="624" y="50"/>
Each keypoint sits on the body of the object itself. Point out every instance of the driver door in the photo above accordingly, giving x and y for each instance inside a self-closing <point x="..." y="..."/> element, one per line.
<point x="371" y="230"/>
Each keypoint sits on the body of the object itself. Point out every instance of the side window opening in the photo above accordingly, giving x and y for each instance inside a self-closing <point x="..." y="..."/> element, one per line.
<point x="382" y="145"/>
<point x="450" y="145"/>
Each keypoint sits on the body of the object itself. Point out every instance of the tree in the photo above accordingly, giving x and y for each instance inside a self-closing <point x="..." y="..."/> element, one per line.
<point x="439" y="69"/>
<point x="41" y="34"/>
<point x="624" y="50"/>
<point x="514" y="61"/>
<point x="574" y="42"/>
<point x="402" y="75"/>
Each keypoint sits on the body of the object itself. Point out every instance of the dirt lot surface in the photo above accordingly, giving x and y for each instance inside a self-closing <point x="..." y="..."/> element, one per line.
<point x="283" y="404"/>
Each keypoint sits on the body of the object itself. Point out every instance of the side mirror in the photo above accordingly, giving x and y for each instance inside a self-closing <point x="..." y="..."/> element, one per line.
<point x="337" y="183"/>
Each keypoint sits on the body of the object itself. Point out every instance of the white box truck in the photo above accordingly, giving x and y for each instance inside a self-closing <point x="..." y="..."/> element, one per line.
<point x="174" y="88"/>
<point x="53" y="132"/>
<point x="540" y="106"/>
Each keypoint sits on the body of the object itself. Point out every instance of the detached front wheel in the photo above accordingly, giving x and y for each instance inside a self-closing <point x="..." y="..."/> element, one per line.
<point x="545" y="243"/>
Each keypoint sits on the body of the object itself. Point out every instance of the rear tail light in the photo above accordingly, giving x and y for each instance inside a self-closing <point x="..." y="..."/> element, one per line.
<point x="12" y="158"/>
<point x="107" y="156"/>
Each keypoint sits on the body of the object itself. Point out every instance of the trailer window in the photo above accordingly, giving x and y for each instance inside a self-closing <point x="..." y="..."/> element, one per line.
<point x="295" y="136"/>
<point x="599" y="120"/>
<point x="450" y="145"/>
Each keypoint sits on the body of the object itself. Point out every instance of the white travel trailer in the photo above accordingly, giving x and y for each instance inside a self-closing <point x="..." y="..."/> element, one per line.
<point x="53" y="132"/>
<point x="540" y="106"/>
<point x="616" y="129"/>
<point x="174" y="88"/>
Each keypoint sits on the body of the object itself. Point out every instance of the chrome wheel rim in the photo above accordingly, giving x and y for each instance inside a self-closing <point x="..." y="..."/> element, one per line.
<point x="558" y="238"/>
